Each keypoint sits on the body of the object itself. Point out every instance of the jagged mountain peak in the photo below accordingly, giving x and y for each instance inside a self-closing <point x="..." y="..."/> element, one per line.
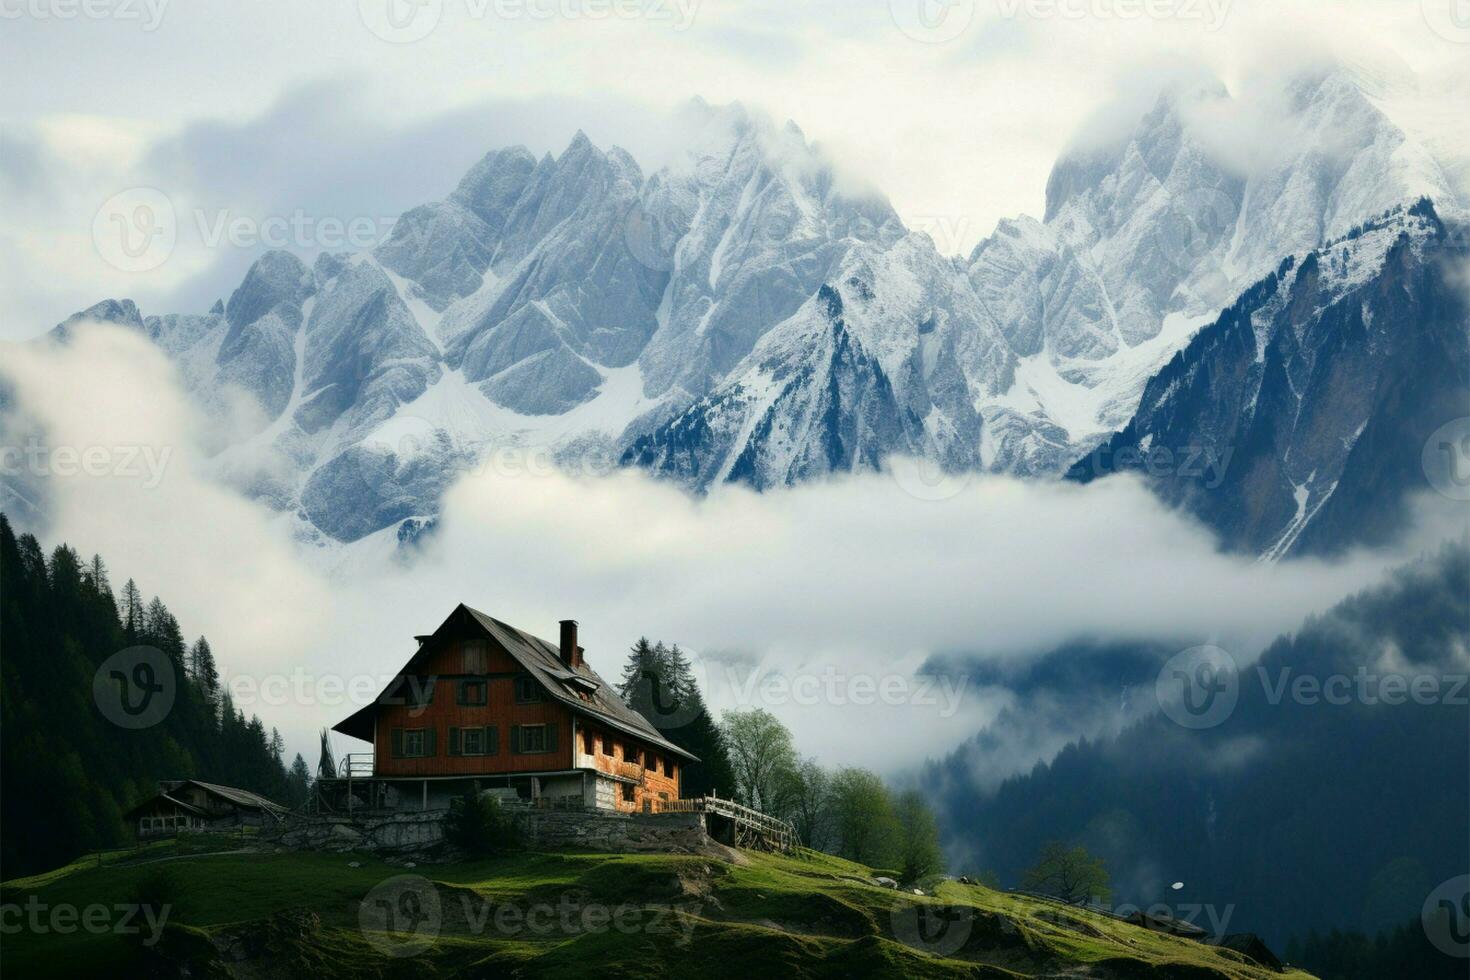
<point x="1152" y="131"/>
<point x="748" y="311"/>
<point x="276" y="278"/>
<point x="1305" y="410"/>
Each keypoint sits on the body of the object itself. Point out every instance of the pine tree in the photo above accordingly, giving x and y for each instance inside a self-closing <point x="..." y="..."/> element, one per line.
<point x="298" y="781"/>
<point x="96" y="576"/>
<point x="131" y="608"/>
<point x="644" y="675"/>
<point x="203" y="670"/>
<point x="163" y="632"/>
<point x="658" y="682"/>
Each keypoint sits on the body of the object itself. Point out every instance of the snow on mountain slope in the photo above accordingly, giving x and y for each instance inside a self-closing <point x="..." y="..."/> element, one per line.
<point x="1298" y="422"/>
<point x="1066" y="320"/>
<point x="746" y="314"/>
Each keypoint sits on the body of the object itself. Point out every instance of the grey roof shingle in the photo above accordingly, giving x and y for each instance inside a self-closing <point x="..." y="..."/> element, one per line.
<point x="239" y="797"/>
<point x="542" y="660"/>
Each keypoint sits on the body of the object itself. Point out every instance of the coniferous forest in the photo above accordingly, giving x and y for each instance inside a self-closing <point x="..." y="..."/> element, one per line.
<point x="67" y="773"/>
<point x="1346" y="817"/>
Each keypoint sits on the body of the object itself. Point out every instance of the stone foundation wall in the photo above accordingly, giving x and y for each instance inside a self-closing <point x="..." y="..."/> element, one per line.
<point x="616" y="832"/>
<point x="387" y="832"/>
<point x="421" y="830"/>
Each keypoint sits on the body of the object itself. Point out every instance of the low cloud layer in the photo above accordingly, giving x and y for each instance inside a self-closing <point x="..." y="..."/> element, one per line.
<point x="836" y="605"/>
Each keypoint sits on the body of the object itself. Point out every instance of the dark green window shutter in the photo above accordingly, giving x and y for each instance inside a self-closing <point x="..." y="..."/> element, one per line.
<point x="454" y="746"/>
<point x="492" y="740"/>
<point x="550" y="737"/>
<point x="395" y="739"/>
<point x="515" y="739"/>
<point x="429" y="747"/>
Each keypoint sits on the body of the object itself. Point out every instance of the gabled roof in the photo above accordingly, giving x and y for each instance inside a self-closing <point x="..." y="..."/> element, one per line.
<point x="542" y="660"/>
<point x="239" y="797"/>
<point x="186" y="807"/>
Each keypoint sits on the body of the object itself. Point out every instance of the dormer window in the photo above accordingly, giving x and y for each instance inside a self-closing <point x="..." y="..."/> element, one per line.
<point x="527" y="690"/>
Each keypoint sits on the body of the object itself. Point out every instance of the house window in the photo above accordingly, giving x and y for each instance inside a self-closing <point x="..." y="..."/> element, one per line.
<point x="412" y="743"/>
<point x="533" y="738"/>
<point x="589" y="742"/>
<point x="668" y="767"/>
<point x="607" y="744"/>
<point x="474" y="741"/>
<point x="628" y="792"/>
<point x="474" y="657"/>
<point x="527" y="690"/>
<point x="471" y="692"/>
<point x="635" y="755"/>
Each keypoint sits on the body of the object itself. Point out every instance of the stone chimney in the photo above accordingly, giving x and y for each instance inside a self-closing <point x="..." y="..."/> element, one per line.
<point x="571" y="654"/>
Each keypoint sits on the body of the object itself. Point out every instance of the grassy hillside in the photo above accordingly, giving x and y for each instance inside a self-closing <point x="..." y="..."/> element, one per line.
<point x="265" y="914"/>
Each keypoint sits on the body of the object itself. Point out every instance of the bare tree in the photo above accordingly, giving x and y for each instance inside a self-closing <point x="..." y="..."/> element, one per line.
<point x="1070" y="874"/>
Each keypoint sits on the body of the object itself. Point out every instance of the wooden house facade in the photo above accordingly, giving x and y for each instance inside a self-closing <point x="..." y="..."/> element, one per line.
<point x="485" y="703"/>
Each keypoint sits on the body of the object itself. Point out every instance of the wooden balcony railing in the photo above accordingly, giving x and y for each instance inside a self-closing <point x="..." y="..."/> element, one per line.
<point x="752" y="828"/>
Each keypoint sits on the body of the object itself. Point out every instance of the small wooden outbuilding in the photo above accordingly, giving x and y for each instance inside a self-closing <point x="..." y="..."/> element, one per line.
<point x="191" y="804"/>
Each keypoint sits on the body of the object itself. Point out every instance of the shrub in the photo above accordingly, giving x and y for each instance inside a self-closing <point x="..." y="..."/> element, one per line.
<point x="477" y="824"/>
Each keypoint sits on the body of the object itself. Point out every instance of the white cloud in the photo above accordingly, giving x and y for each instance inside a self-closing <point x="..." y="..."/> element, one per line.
<point x="850" y="584"/>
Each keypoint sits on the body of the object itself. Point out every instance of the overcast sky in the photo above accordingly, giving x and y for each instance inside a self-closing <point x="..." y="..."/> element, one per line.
<point x="954" y="108"/>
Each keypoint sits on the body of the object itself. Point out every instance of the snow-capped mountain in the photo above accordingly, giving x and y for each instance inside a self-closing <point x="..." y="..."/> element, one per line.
<point x="1298" y="421"/>
<point x="1039" y="346"/>
<point x="746" y="314"/>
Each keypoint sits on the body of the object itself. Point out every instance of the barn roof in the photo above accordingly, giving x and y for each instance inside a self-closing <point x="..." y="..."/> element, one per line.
<point x="239" y="797"/>
<point x="163" y="797"/>
<point x="542" y="660"/>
